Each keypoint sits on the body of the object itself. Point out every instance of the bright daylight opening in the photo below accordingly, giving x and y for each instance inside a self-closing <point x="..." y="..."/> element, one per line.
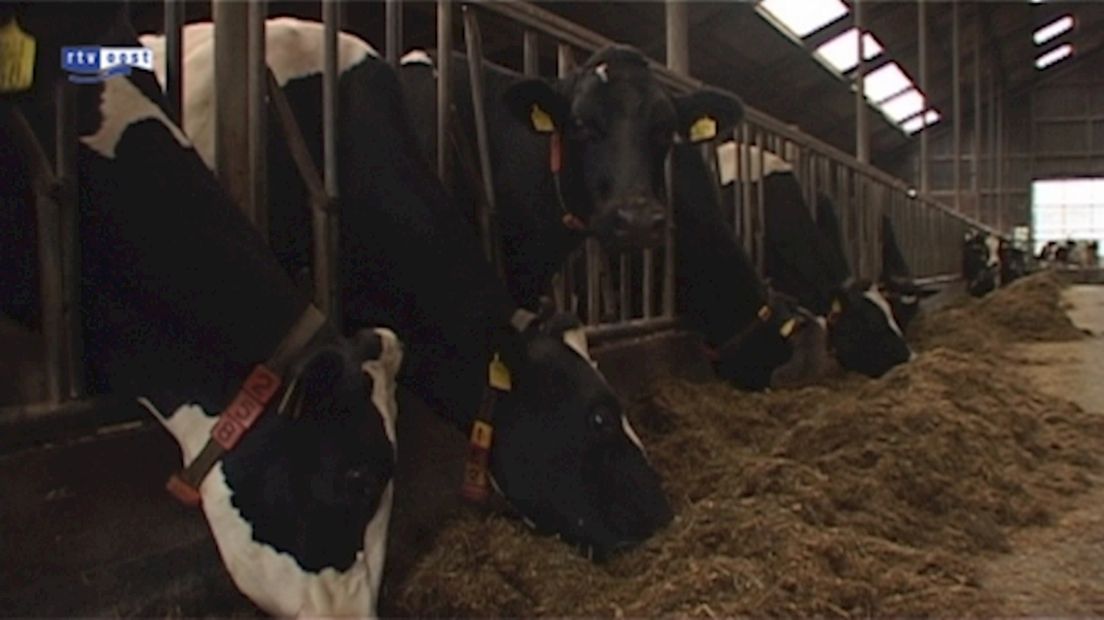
<point x="903" y="106"/>
<point x="1053" y="29"/>
<point x="842" y="52"/>
<point x="917" y="122"/>
<point x="1064" y="209"/>
<point x="803" y="17"/>
<point x="885" y="81"/>
<point x="1053" y="56"/>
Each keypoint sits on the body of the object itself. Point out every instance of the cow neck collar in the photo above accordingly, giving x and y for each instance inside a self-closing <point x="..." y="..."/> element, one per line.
<point x="556" y="158"/>
<point x="251" y="400"/>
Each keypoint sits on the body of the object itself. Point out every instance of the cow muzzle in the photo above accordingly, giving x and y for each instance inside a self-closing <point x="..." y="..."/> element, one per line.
<point x="632" y="222"/>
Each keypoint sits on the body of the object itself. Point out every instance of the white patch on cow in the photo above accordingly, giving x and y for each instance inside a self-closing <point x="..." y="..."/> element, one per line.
<point x="878" y="300"/>
<point x="122" y="105"/>
<point x="822" y="321"/>
<point x="908" y="299"/>
<point x="602" y="71"/>
<point x="416" y="57"/>
<point x="912" y="355"/>
<point x="576" y="339"/>
<point x="731" y="169"/>
<point x="992" y="243"/>
<point x="522" y="319"/>
<point x="273" y="579"/>
<point x="293" y="49"/>
<point x="631" y="433"/>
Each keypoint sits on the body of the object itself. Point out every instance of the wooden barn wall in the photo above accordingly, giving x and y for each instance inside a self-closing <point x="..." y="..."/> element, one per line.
<point x="1056" y="129"/>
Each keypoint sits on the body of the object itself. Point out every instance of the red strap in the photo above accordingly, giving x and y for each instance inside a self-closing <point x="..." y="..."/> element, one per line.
<point x="555" y="153"/>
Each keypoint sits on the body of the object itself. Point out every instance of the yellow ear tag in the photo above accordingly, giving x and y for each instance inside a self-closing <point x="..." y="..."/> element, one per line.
<point x="499" y="375"/>
<point x="764" y="313"/>
<point x="705" y="128"/>
<point x="787" y="328"/>
<point x="542" y="122"/>
<point x="836" y="306"/>
<point x="17" y="56"/>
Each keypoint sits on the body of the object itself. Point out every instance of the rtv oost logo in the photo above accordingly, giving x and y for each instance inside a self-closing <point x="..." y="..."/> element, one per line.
<point x="89" y="64"/>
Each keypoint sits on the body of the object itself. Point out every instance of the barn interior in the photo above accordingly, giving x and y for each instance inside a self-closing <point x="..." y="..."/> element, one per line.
<point x="966" y="482"/>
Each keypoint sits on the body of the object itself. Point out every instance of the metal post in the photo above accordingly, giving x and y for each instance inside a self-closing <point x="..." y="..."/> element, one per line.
<point x="231" y="101"/>
<point x="759" y="227"/>
<point x="69" y="337"/>
<point x="975" y="184"/>
<point x="678" y="50"/>
<point x="326" y="225"/>
<point x="256" y="73"/>
<point x="174" y="57"/>
<point x="531" y="54"/>
<point x="393" y="30"/>
<point x="991" y="143"/>
<point x="487" y="214"/>
<point x="565" y="62"/>
<point x="1000" y="159"/>
<point x="956" y="97"/>
<point x="922" y="52"/>
<point x="444" y="85"/>
<point x="862" y="128"/>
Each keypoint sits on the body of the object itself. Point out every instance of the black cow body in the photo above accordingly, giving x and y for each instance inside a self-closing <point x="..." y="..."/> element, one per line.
<point x="179" y="300"/>
<point x="721" y="296"/>
<point x="614" y="124"/>
<point x="808" y="264"/>
<point x="897" y="283"/>
<point x="563" y="454"/>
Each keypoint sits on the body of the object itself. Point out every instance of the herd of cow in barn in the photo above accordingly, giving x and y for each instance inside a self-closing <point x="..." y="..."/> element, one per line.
<point x="286" y="418"/>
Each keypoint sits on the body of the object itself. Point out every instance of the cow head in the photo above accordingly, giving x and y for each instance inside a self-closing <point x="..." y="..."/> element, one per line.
<point x="904" y="295"/>
<point x="300" y="507"/>
<point x="863" y="332"/>
<point x="786" y="349"/>
<point x="564" y="454"/>
<point x="616" y="124"/>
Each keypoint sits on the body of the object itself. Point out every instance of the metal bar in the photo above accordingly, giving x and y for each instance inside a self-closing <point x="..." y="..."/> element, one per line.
<point x="956" y="96"/>
<point x="531" y="54"/>
<point x="1000" y="160"/>
<point x="669" y="247"/>
<point x="256" y="74"/>
<point x="598" y="334"/>
<point x="393" y="30"/>
<point x="444" y="86"/>
<point x="593" y="285"/>
<point x="678" y="32"/>
<point x="231" y="101"/>
<point x="862" y="123"/>
<point x="487" y="212"/>
<point x="625" y="297"/>
<point x="975" y="164"/>
<point x="326" y="225"/>
<point x="174" y="57"/>
<point x="759" y="227"/>
<point x="922" y="54"/>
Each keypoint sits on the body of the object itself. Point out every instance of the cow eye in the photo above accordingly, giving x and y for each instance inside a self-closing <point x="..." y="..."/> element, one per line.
<point x="601" y="418"/>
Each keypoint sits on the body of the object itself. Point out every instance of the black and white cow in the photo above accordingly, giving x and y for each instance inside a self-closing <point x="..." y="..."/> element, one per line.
<point x="581" y="155"/>
<point x="805" y="263"/>
<point x="896" y="282"/>
<point x="755" y="337"/>
<point x="563" y="453"/>
<point x="981" y="266"/>
<point x="180" y="299"/>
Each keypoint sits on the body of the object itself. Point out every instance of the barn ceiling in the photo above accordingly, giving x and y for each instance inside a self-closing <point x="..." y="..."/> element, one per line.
<point x="734" y="46"/>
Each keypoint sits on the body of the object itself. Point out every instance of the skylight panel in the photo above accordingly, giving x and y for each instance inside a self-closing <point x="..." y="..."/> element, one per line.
<point x="917" y="122"/>
<point x="802" y="17"/>
<point x="1059" y="53"/>
<point x="884" y="81"/>
<point x="1053" y="29"/>
<point x="903" y="106"/>
<point x="842" y="51"/>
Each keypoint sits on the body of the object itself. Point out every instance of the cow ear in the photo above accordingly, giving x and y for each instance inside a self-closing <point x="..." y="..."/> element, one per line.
<point x="537" y="105"/>
<point x="705" y="113"/>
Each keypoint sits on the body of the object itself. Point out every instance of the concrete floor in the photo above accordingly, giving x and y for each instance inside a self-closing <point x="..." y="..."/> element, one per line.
<point x="1059" y="570"/>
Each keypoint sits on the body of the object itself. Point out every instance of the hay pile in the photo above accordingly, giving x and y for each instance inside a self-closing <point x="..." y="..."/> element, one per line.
<point x="864" y="497"/>
<point x="1027" y="310"/>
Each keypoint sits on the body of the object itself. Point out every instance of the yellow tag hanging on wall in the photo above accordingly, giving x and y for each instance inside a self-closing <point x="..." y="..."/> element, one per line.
<point x="17" y="56"/>
<point x="499" y="375"/>
<point x="787" y="328"/>
<point x="542" y="122"/>
<point x="705" y="128"/>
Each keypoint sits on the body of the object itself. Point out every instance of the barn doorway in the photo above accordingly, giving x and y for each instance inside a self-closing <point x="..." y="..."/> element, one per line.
<point x="1063" y="209"/>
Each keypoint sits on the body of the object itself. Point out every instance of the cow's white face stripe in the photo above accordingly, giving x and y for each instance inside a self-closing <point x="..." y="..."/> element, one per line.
<point x="122" y="105"/>
<point x="631" y="434"/>
<point x="878" y="300"/>
<point x="728" y="162"/>
<point x="293" y="49"/>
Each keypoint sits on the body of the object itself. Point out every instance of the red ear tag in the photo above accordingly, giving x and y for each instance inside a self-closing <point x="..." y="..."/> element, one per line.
<point x="555" y="153"/>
